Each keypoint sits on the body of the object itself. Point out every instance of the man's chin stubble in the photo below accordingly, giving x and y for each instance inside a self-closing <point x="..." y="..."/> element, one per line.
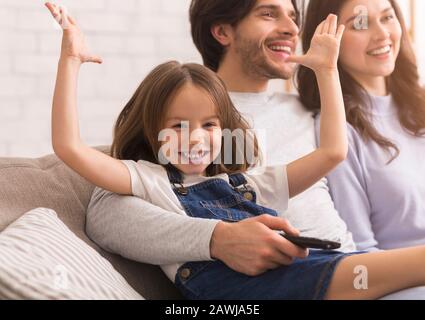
<point x="268" y="72"/>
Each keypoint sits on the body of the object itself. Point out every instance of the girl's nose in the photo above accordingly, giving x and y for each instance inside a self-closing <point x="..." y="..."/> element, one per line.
<point x="197" y="136"/>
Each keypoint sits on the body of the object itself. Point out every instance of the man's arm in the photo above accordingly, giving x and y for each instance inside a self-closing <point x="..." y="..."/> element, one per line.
<point x="140" y="231"/>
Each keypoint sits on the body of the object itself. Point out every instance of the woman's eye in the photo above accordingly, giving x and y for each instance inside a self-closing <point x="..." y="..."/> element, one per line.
<point x="177" y="126"/>
<point x="388" y="18"/>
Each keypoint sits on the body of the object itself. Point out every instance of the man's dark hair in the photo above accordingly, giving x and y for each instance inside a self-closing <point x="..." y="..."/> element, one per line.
<point x="206" y="13"/>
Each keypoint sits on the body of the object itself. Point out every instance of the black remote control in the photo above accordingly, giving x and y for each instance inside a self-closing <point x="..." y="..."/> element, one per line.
<point x="312" y="243"/>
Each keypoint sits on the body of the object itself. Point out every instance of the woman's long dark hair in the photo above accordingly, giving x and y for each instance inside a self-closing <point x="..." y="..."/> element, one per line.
<point x="403" y="83"/>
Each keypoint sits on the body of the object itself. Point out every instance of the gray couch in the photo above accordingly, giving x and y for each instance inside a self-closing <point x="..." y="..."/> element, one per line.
<point x="46" y="182"/>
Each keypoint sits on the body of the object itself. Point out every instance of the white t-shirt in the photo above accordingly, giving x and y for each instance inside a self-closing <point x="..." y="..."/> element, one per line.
<point x="289" y="133"/>
<point x="150" y="182"/>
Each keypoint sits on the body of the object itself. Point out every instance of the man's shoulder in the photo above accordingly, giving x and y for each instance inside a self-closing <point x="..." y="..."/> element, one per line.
<point x="290" y="101"/>
<point x="286" y="97"/>
<point x="276" y="102"/>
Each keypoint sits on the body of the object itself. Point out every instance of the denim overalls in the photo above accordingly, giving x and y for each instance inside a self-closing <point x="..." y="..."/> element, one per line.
<point x="306" y="279"/>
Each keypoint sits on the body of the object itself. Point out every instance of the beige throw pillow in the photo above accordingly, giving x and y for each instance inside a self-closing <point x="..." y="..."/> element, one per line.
<point x="40" y="258"/>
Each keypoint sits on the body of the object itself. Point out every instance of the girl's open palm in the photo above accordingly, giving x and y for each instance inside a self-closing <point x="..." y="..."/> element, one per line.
<point x="324" y="49"/>
<point x="73" y="42"/>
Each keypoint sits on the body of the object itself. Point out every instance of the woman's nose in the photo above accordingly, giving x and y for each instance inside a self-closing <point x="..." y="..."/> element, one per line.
<point x="381" y="32"/>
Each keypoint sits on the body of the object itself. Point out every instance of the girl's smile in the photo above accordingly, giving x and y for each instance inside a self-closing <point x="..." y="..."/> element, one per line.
<point x="196" y="158"/>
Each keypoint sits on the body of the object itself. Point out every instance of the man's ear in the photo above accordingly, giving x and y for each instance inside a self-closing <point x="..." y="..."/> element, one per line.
<point x="223" y="33"/>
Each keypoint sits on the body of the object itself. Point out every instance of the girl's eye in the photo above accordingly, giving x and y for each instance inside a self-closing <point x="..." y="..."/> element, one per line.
<point x="210" y="124"/>
<point x="177" y="126"/>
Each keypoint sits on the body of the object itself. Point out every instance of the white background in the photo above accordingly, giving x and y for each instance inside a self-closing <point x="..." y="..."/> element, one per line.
<point x="132" y="36"/>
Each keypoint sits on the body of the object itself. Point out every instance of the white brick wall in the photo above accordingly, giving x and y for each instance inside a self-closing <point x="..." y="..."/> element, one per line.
<point x="132" y="36"/>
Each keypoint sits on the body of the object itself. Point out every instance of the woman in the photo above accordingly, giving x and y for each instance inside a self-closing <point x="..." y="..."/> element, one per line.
<point x="380" y="190"/>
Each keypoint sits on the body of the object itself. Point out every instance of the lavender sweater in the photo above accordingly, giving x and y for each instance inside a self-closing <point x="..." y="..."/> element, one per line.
<point x="382" y="204"/>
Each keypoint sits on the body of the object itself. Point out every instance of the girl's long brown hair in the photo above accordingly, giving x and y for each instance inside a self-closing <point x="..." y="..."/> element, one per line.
<point x="403" y="83"/>
<point x="138" y="126"/>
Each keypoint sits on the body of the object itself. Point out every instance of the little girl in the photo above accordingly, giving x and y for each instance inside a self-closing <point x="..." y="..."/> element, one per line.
<point x="170" y="148"/>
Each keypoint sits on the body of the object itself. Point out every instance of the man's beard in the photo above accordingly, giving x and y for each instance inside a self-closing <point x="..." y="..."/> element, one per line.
<point x="254" y="62"/>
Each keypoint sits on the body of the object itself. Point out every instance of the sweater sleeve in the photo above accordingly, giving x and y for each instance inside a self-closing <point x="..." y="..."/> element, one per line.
<point x="140" y="231"/>
<point x="349" y="192"/>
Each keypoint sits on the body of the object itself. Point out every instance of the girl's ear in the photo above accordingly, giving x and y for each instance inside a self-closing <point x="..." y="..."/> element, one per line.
<point x="223" y="33"/>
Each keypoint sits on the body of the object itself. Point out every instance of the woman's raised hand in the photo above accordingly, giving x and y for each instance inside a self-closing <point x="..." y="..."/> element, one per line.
<point x="73" y="42"/>
<point x="324" y="49"/>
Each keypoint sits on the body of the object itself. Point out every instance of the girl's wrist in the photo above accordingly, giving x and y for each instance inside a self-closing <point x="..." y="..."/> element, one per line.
<point x="71" y="61"/>
<point x="327" y="72"/>
<point x="327" y="75"/>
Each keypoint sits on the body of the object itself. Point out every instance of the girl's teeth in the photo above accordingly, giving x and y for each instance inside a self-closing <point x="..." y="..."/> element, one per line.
<point x="196" y="156"/>
<point x="383" y="50"/>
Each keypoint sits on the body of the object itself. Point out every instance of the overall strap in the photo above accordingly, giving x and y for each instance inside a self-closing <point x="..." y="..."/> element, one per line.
<point x="240" y="185"/>
<point x="174" y="175"/>
<point x="176" y="179"/>
<point x="237" y="180"/>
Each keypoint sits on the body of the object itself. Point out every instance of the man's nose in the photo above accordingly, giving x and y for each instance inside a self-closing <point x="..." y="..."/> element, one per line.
<point x="288" y="27"/>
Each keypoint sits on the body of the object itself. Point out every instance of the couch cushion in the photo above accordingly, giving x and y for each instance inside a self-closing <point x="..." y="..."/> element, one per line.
<point x="47" y="182"/>
<point x="42" y="259"/>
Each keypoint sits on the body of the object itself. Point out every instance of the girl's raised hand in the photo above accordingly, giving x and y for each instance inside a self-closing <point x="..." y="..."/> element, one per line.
<point x="73" y="42"/>
<point x="324" y="49"/>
